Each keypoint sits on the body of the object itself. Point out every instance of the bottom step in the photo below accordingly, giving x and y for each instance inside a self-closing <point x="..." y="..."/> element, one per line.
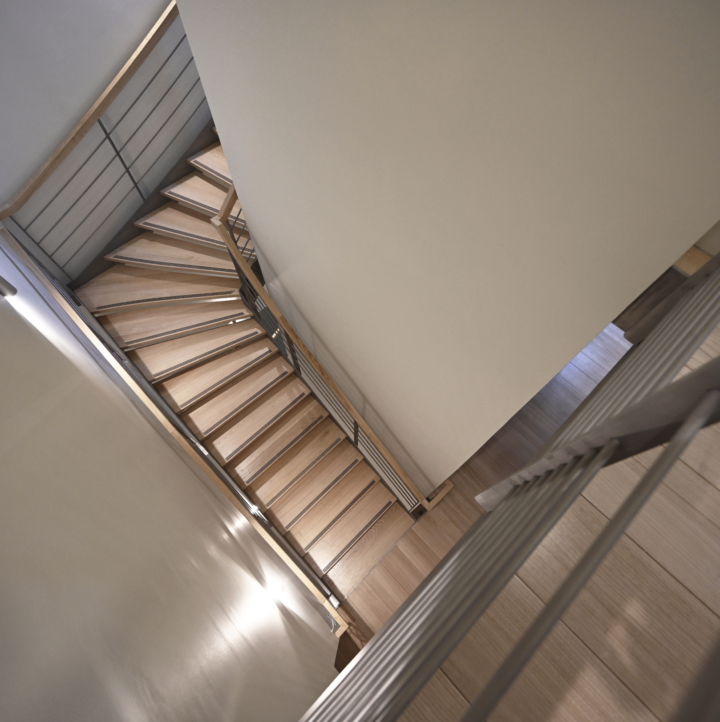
<point x="368" y="551"/>
<point x="330" y="548"/>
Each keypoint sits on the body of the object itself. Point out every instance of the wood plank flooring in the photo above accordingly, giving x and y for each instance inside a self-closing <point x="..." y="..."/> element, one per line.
<point x="629" y="646"/>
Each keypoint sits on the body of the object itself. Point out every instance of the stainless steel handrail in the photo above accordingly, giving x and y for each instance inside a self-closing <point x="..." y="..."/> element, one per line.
<point x="391" y="670"/>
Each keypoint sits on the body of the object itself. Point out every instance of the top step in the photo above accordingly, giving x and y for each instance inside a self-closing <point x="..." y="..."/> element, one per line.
<point x="123" y="288"/>
<point x="203" y="195"/>
<point x="211" y="162"/>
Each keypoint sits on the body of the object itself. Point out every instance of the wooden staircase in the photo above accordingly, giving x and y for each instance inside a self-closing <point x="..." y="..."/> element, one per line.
<point x="172" y="303"/>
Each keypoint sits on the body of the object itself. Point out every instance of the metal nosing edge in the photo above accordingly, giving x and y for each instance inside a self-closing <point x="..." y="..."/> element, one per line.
<point x="324" y="493"/>
<point x="267" y="425"/>
<point x="284" y="449"/>
<point x="336" y="559"/>
<point x="213" y="352"/>
<point x="245" y="404"/>
<point x="145" y="263"/>
<point x="229" y="296"/>
<point x="345" y="509"/>
<point x="238" y="372"/>
<point x="169" y="335"/>
<point x="302" y="473"/>
<point x="197" y="236"/>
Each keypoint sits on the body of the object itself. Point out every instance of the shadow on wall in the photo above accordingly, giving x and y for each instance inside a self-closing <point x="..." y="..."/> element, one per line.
<point x="332" y="366"/>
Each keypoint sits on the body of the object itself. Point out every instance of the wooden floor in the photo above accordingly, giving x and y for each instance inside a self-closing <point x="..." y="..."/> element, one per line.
<point x="629" y="646"/>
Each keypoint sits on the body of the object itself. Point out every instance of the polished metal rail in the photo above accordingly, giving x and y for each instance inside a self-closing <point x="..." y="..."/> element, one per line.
<point x="651" y="365"/>
<point x="591" y="560"/>
<point x="392" y="669"/>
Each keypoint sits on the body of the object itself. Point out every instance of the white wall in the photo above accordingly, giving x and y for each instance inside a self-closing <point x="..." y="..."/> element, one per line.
<point x="56" y="58"/>
<point x="131" y="589"/>
<point x="459" y="196"/>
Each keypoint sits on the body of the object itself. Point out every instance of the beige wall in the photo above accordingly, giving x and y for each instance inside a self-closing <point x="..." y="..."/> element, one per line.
<point x="55" y="60"/>
<point x="458" y="196"/>
<point x="131" y="589"/>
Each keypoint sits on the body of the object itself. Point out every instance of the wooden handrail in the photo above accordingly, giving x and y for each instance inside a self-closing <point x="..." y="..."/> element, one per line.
<point x="220" y="222"/>
<point x="91" y="117"/>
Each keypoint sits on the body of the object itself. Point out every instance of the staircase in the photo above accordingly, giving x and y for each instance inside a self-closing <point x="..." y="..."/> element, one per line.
<point x="171" y="302"/>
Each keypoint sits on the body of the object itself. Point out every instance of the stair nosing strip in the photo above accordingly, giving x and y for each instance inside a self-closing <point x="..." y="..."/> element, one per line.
<point x="219" y="321"/>
<point x="315" y="461"/>
<point x="335" y="481"/>
<point x="267" y="425"/>
<point x="246" y="403"/>
<point x="355" y="539"/>
<point x="347" y="508"/>
<point x="283" y="450"/>
<point x="187" y="199"/>
<point x="235" y="342"/>
<point x="224" y="380"/>
<point x="143" y="224"/>
<point x="210" y="170"/>
<point x="167" y="298"/>
<point x="169" y="263"/>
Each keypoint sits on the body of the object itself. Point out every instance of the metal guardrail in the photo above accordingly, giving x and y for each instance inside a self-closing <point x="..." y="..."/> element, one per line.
<point x="118" y="163"/>
<point x="402" y="657"/>
<point x="651" y="365"/>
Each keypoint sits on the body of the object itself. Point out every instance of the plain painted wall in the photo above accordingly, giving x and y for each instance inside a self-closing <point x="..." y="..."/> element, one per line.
<point x="457" y="197"/>
<point x="131" y="588"/>
<point x="56" y="58"/>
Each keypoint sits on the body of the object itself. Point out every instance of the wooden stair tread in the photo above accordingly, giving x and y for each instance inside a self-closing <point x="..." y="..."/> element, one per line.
<point x="343" y="492"/>
<point x="229" y="401"/>
<point x="372" y="546"/>
<point x="188" y="388"/>
<point x="170" y="357"/>
<point x="126" y="287"/>
<point x="289" y="507"/>
<point x="212" y="163"/>
<point x="202" y="194"/>
<point x="184" y="224"/>
<point x="151" y="251"/>
<point x="270" y="448"/>
<point x="347" y="530"/>
<point x="257" y="419"/>
<point x="133" y="329"/>
<point x="273" y="483"/>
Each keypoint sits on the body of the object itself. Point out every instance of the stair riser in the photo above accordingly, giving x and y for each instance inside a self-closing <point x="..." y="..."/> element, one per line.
<point x="287" y="527"/>
<point x="174" y="268"/>
<point x="187" y="405"/>
<point x="303" y="545"/>
<point x="203" y="433"/>
<point x="206" y="210"/>
<point x="143" y="343"/>
<point x="247" y="470"/>
<point x="212" y="174"/>
<point x="161" y="375"/>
